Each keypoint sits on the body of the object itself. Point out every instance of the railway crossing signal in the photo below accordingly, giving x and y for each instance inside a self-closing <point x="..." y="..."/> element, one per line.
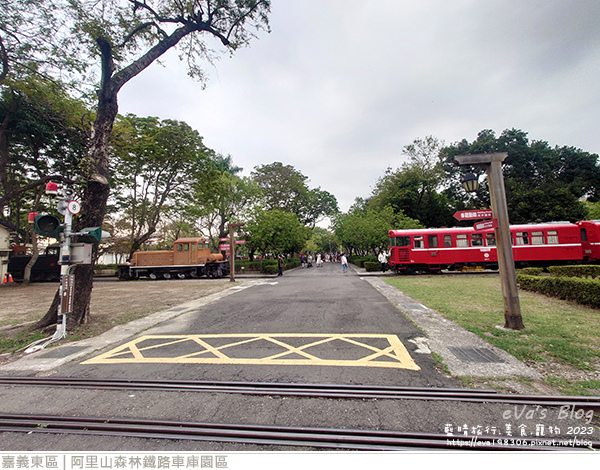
<point x="48" y="226"/>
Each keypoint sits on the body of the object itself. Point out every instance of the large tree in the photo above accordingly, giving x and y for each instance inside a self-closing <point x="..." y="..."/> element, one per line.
<point x="126" y="37"/>
<point x="364" y="229"/>
<point x="158" y="163"/>
<point x="543" y="183"/>
<point x="275" y="232"/>
<point x="286" y="189"/>
<point x="415" y="189"/>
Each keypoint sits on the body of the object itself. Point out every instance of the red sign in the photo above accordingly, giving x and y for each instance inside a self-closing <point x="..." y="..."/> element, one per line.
<point x="486" y="225"/>
<point x="240" y="242"/>
<point x="473" y="214"/>
<point x="224" y="247"/>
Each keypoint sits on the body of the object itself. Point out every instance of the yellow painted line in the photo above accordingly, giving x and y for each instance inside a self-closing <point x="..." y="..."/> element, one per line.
<point x="201" y="349"/>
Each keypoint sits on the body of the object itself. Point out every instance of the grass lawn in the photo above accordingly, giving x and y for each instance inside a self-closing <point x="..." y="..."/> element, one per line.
<point x="555" y="331"/>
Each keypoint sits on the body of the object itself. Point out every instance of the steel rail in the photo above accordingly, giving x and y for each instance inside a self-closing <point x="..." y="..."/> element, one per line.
<point x="310" y="390"/>
<point x="347" y="439"/>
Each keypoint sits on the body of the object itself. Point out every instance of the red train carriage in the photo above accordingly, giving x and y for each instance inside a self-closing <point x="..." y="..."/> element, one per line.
<point x="462" y="248"/>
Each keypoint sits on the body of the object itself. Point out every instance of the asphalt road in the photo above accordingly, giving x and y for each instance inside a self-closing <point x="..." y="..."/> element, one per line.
<point x="316" y="325"/>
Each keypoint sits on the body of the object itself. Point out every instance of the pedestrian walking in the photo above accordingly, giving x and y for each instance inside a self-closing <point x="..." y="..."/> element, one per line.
<point x="280" y="265"/>
<point x="344" y="261"/>
<point x="319" y="262"/>
<point x="383" y="260"/>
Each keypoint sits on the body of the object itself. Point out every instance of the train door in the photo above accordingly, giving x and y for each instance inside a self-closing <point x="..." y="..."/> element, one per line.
<point x="590" y="239"/>
<point x="183" y="253"/>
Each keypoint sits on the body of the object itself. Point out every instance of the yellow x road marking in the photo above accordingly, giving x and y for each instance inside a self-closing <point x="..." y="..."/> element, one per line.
<point x="357" y="350"/>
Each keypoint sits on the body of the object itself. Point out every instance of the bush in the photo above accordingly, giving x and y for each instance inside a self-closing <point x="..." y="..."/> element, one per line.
<point x="371" y="266"/>
<point x="270" y="269"/>
<point x="582" y="291"/>
<point x="592" y="271"/>
<point x="531" y="271"/>
<point x="360" y="260"/>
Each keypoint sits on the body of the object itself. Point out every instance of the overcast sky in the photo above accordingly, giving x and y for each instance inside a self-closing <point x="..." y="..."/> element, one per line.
<point x="339" y="87"/>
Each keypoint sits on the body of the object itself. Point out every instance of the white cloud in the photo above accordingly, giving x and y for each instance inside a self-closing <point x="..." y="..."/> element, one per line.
<point x="339" y="87"/>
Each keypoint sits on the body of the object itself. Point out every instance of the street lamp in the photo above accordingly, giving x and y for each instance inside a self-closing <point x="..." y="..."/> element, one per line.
<point x="470" y="183"/>
<point x="506" y="263"/>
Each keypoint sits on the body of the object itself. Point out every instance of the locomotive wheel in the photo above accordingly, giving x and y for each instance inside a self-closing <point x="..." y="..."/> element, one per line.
<point x="167" y="275"/>
<point x="181" y="275"/>
<point x="153" y="276"/>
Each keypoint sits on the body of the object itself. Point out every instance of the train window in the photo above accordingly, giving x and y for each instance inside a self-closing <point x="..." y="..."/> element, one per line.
<point x="433" y="241"/>
<point x="193" y="246"/>
<point x="462" y="240"/>
<point x="419" y="243"/>
<point x="179" y="248"/>
<point x="186" y="247"/>
<point x="537" y="238"/>
<point x="447" y="240"/>
<point x="522" y="238"/>
<point x="584" y="235"/>
<point x="490" y="239"/>
<point x="553" y="237"/>
<point x="477" y="239"/>
<point x="400" y="241"/>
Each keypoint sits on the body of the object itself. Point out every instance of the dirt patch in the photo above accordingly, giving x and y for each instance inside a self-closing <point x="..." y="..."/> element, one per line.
<point x="113" y="303"/>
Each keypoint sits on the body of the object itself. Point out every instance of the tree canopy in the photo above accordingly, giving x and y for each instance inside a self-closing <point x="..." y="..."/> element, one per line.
<point x="285" y="188"/>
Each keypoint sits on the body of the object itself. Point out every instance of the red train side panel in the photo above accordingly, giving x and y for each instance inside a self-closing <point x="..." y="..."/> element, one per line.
<point x="460" y="247"/>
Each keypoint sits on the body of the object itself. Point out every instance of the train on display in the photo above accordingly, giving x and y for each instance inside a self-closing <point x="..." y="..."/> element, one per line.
<point x="432" y="250"/>
<point x="190" y="258"/>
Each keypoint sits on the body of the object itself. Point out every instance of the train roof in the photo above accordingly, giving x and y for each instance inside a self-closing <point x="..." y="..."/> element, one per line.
<point x="191" y="240"/>
<point x="451" y="230"/>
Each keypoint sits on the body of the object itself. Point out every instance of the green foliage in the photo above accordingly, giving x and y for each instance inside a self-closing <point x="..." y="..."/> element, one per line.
<point x="285" y="188"/>
<point x="221" y="197"/>
<point x="415" y="189"/>
<point x="531" y="271"/>
<point x="158" y="163"/>
<point x="276" y="232"/>
<point x="372" y="266"/>
<point x="321" y="241"/>
<point x="42" y="137"/>
<point x="542" y="183"/>
<point x="583" y="271"/>
<point x="582" y="291"/>
<point x="365" y="230"/>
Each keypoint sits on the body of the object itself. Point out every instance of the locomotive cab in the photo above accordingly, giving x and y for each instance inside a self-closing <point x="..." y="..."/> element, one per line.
<point x="590" y="239"/>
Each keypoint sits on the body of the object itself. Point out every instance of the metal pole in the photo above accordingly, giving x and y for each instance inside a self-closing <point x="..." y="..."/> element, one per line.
<point x="231" y="254"/>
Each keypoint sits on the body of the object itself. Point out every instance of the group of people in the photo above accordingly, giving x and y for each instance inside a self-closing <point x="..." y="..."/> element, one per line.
<point x="307" y="260"/>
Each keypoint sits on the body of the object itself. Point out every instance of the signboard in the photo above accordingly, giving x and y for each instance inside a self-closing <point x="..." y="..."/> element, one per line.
<point x="240" y="242"/>
<point x="473" y="214"/>
<point x="486" y="225"/>
<point x="68" y="287"/>
<point x="224" y="247"/>
<point x="224" y="239"/>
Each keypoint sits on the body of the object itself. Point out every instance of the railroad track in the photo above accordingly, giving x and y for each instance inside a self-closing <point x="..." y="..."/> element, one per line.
<point x="343" y="439"/>
<point x="308" y="390"/>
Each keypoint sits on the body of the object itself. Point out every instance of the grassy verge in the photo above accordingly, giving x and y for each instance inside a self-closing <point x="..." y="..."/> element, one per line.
<point x="555" y="331"/>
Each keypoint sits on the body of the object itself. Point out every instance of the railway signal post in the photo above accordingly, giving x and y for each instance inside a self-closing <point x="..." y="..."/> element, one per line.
<point x="70" y="253"/>
<point x="506" y="264"/>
